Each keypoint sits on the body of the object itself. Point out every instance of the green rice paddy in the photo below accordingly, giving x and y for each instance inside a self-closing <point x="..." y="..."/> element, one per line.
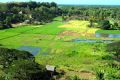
<point x="57" y="49"/>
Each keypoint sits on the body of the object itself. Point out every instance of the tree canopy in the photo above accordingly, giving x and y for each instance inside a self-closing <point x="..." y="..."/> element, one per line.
<point x="20" y="65"/>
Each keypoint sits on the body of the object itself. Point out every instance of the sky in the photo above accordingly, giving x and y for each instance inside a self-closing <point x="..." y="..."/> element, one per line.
<point x="78" y="2"/>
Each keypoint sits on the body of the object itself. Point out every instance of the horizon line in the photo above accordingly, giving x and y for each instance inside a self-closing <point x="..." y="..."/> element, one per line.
<point x="67" y="3"/>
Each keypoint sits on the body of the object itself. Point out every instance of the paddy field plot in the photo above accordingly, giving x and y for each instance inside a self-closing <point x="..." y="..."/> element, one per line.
<point x="80" y="26"/>
<point x="57" y="49"/>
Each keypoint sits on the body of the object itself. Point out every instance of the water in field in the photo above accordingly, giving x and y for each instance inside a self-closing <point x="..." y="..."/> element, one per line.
<point x="91" y="41"/>
<point x="107" y="35"/>
<point x="44" y="53"/>
<point x="31" y="49"/>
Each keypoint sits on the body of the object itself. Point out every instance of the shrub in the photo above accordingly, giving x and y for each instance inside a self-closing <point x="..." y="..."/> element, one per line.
<point x="114" y="48"/>
<point x="105" y="24"/>
<point x="25" y="70"/>
<point x="100" y="75"/>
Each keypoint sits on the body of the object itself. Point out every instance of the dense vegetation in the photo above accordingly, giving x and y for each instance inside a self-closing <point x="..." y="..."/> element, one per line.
<point x="39" y="13"/>
<point x="19" y="65"/>
<point x="100" y="14"/>
<point x="29" y="12"/>
<point x="60" y="34"/>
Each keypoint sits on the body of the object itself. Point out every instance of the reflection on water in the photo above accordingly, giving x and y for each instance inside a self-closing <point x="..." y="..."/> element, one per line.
<point x="107" y="35"/>
<point x="91" y="41"/>
<point x="31" y="49"/>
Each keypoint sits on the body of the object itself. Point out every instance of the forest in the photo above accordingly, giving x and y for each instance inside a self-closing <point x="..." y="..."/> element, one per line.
<point x="40" y="13"/>
<point x="31" y="12"/>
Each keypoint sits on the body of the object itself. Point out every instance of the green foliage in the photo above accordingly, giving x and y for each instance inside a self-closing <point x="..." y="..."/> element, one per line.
<point x="100" y="75"/>
<point x="68" y="55"/>
<point x="99" y="14"/>
<point x="5" y="25"/>
<point x="43" y="14"/>
<point x="7" y="56"/>
<point x="19" y="65"/>
<point x="115" y="26"/>
<point x="114" y="48"/>
<point x="105" y="24"/>
<point x="25" y="70"/>
<point x="32" y="11"/>
<point x="1" y="78"/>
<point x="85" y="12"/>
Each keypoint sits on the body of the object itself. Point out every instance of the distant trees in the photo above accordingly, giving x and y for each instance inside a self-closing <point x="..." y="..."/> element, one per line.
<point x="105" y="24"/>
<point x="99" y="14"/>
<point x="33" y="11"/>
<point x="115" y="26"/>
<point x="45" y="12"/>
<point x="91" y="20"/>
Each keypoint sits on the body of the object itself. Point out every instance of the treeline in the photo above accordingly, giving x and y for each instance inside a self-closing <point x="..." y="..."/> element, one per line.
<point x="40" y="13"/>
<point x="29" y="12"/>
<point x="100" y="14"/>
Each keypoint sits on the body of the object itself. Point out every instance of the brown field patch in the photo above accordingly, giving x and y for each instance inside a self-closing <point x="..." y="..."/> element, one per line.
<point x="75" y="34"/>
<point x="69" y="33"/>
<point x="86" y="75"/>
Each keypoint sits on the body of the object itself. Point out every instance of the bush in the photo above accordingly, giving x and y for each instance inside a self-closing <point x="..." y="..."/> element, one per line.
<point x="20" y="65"/>
<point x="2" y="78"/>
<point x="7" y="56"/>
<point x="5" y="26"/>
<point x="100" y="75"/>
<point x="114" y="48"/>
<point x="25" y="70"/>
<point x="1" y="45"/>
<point x="105" y="24"/>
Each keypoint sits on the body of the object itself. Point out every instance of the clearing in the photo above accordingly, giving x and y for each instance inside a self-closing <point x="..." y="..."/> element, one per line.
<point x="80" y="27"/>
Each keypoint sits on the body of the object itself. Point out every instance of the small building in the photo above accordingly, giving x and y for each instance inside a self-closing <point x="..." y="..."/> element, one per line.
<point x="27" y="21"/>
<point x="20" y="12"/>
<point x="50" y="68"/>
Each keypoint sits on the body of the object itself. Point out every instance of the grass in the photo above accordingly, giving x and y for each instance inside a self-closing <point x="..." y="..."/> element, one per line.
<point x="21" y="29"/>
<point x="108" y="31"/>
<point x="57" y="50"/>
<point x="79" y="26"/>
<point x="58" y="19"/>
<point x="50" y="28"/>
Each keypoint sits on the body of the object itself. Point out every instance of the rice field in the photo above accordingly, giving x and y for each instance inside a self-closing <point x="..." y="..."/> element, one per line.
<point x="79" y="26"/>
<point x="57" y="49"/>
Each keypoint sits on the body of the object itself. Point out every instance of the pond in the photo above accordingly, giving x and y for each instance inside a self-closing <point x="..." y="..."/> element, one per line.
<point x="107" y="35"/>
<point x="31" y="49"/>
<point x="92" y="41"/>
